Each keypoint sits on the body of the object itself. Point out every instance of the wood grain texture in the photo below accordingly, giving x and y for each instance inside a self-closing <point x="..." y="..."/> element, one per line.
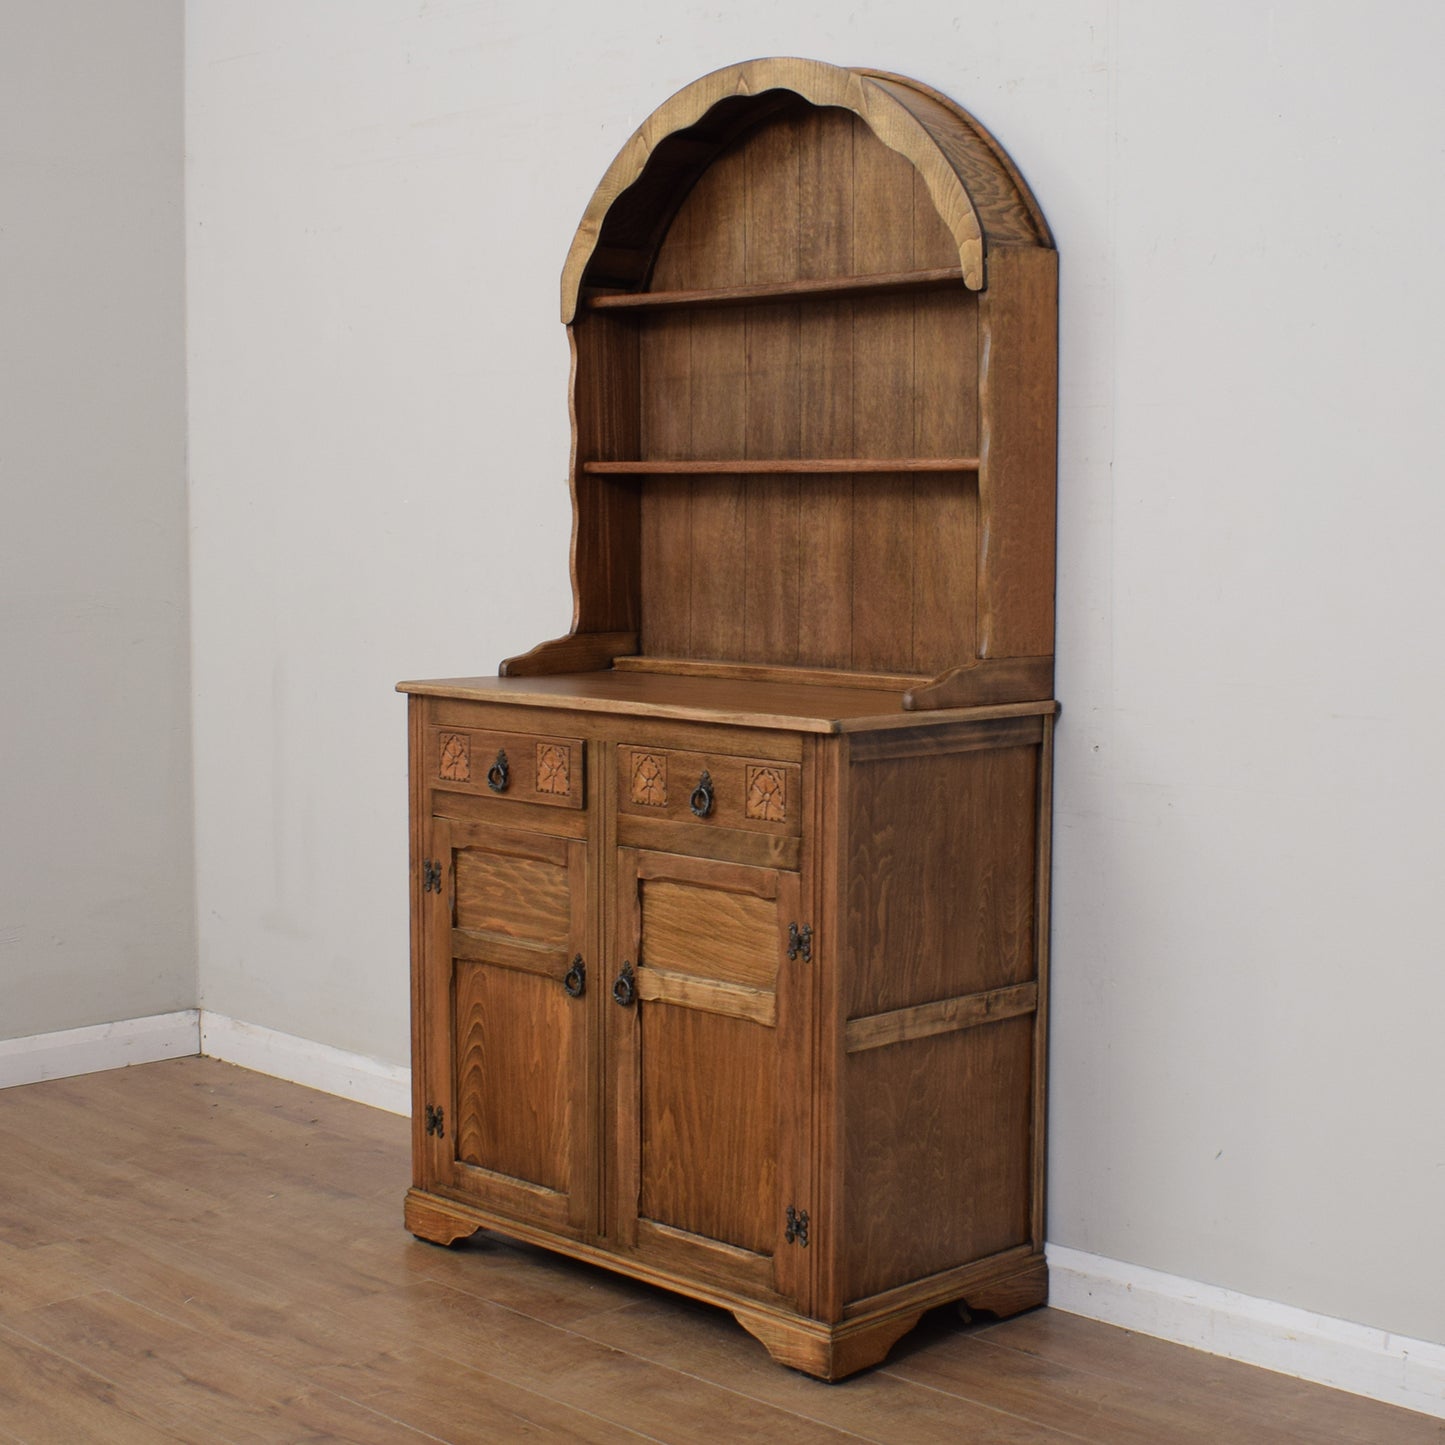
<point x="773" y="223"/>
<point x="963" y="733"/>
<point x="709" y="1155"/>
<point x="675" y="466"/>
<point x="506" y="1052"/>
<point x="518" y="897"/>
<point x="728" y="845"/>
<point x="745" y="705"/>
<point x="985" y="681"/>
<point x="422" y="971"/>
<point x="665" y="358"/>
<point x="717" y="251"/>
<point x="773" y="288"/>
<point x="732" y="1000"/>
<point x="945" y="418"/>
<point x="1018" y="388"/>
<point x="832" y="287"/>
<point x="883" y="387"/>
<point x="807" y="442"/>
<point x="938" y="1167"/>
<point x="643" y="795"/>
<point x="768" y="672"/>
<point x="1007" y="211"/>
<point x="709" y="932"/>
<point x="1043" y="892"/>
<point x="849" y="385"/>
<point x="877" y="1031"/>
<point x="541" y="768"/>
<point x="941" y="877"/>
<point x="707" y="938"/>
<point x="578" y="652"/>
<point x="605" y="406"/>
<point x="516" y="1057"/>
<point x="610" y="250"/>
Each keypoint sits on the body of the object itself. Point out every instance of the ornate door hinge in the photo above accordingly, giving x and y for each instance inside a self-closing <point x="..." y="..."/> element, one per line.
<point x="435" y="1120"/>
<point x="431" y="876"/>
<point x="797" y="1230"/>
<point x="800" y="941"/>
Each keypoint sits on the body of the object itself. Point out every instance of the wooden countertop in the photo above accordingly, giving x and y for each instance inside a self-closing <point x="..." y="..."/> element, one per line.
<point x="786" y="706"/>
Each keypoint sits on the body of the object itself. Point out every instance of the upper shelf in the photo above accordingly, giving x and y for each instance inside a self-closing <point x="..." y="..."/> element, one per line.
<point x="826" y="288"/>
<point x="779" y="466"/>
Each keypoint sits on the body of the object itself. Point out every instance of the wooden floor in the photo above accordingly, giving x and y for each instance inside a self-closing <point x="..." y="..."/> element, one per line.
<point x="192" y="1252"/>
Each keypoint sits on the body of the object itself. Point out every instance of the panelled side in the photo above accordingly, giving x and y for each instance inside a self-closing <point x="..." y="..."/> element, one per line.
<point x="940" y="989"/>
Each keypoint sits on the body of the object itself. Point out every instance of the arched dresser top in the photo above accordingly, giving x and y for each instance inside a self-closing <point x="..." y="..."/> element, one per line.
<point x="975" y="187"/>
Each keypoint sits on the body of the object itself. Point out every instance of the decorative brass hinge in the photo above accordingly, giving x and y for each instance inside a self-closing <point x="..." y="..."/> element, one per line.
<point x="797" y="1230"/>
<point x="800" y="941"/>
<point x="431" y="876"/>
<point x="435" y="1120"/>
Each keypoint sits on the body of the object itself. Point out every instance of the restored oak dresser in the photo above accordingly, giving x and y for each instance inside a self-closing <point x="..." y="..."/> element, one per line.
<point x="730" y="908"/>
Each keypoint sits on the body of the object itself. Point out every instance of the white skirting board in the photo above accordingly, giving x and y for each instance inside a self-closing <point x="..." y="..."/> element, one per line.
<point x="1392" y="1368"/>
<point x="68" y="1052"/>
<point x="318" y="1066"/>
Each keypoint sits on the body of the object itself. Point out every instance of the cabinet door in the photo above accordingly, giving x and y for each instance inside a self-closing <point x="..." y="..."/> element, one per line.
<point x="707" y="1032"/>
<point x="507" y="1004"/>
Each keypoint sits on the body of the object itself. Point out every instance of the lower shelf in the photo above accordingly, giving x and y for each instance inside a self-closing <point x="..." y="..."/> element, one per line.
<point x="1004" y="1284"/>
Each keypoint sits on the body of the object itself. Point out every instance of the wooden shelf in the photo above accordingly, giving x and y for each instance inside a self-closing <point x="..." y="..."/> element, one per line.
<point x="781" y="466"/>
<point x="823" y="288"/>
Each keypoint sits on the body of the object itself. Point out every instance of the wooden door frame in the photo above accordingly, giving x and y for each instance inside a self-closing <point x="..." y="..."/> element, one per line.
<point x="575" y="1210"/>
<point x="785" y="1273"/>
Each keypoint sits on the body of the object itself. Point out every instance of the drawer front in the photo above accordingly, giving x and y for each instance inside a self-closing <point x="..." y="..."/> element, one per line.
<point x="525" y="767"/>
<point x="710" y="789"/>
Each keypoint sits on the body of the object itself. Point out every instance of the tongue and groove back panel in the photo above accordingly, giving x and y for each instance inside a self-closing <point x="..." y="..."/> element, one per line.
<point x="859" y="572"/>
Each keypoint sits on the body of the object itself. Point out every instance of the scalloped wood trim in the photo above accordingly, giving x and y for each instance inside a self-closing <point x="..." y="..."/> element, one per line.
<point x="577" y="652"/>
<point x="877" y="99"/>
<point x="991" y="680"/>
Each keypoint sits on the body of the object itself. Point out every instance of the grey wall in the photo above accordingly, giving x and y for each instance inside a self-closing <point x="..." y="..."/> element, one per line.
<point x="96" y="873"/>
<point x="1246" y="1085"/>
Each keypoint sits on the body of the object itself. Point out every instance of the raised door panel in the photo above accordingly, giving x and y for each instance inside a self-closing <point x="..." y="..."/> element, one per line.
<point x="708" y="1038"/>
<point x="508" y="1059"/>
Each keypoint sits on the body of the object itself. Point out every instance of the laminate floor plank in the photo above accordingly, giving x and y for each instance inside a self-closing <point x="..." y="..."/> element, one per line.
<point x="532" y="1281"/>
<point x="463" y="1404"/>
<point x="189" y="1251"/>
<point x="46" y="1399"/>
<point x="279" y="1320"/>
<point x="1232" y="1395"/>
<point x="40" y="1276"/>
<point x="610" y="1383"/>
<point x="179" y="1380"/>
<point x="1092" y="1407"/>
<point x="707" y="1343"/>
<point x="34" y="1212"/>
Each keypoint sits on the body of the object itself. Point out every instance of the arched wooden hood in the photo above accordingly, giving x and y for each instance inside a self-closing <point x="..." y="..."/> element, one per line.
<point x="975" y="188"/>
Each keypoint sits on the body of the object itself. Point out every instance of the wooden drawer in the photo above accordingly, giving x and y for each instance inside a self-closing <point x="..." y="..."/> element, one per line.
<point x="524" y="767"/>
<point x="757" y="794"/>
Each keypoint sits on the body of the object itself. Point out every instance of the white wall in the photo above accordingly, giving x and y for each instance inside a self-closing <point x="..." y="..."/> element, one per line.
<point x="96" y="896"/>
<point x="1247" y="200"/>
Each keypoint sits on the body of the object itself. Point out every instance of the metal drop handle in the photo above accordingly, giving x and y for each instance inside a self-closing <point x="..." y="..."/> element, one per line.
<point x="624" y="987"/>
<point x="574" y="981"/>
<point x="701" y="800"/>
<point x="499" y="775"/>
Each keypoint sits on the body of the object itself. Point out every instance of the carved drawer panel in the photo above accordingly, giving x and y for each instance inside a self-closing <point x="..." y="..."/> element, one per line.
<point x="525" y="767"/>
<point x="709" y="788"/>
